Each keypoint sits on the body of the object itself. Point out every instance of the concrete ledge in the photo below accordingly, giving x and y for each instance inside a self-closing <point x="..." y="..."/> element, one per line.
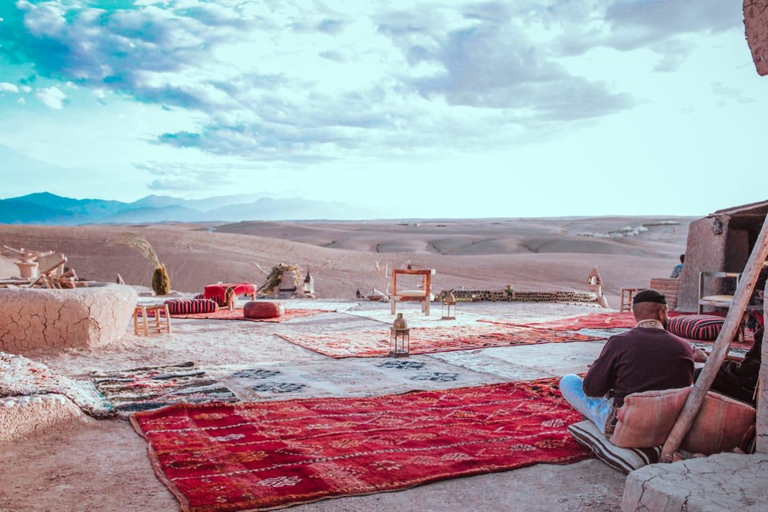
<point x="33" y="319"/>
<point x="727" y="481"/>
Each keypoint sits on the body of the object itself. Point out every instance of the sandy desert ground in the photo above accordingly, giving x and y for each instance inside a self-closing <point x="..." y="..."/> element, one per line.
<point x="102" y="465"/>
<point x="528" y="254"/>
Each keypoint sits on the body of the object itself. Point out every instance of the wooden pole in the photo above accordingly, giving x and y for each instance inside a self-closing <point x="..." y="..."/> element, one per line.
<point x="720" y="349"/>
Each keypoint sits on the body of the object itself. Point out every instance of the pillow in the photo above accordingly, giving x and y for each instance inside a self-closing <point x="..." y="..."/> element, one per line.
<point x="262" y="310"/>
<point x="625" y="460"/>
<point x="191" y="306"/>
<point x="696" y="327"/>
<point x="720" y="426"/>
<point x="411" y="293"/>
<point x="646" y="419"/>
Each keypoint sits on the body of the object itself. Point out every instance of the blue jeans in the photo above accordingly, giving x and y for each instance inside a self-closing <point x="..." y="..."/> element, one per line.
<point x="595" y="409"/>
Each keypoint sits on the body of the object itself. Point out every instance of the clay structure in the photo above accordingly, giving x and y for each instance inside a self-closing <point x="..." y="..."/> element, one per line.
<point x="32" y="319"/>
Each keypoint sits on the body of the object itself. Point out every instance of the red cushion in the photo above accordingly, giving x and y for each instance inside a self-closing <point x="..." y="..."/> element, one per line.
<point x="696" y="327"/>
<point x="646" y="419"/>
<point x="262" y="309"/>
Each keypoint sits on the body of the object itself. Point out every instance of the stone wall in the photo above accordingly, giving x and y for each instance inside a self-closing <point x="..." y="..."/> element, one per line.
<point x="510" y="295"/>
<point x="32" y="319"/>
<point x="762" y="399"/>
<point x="756" y="25"/>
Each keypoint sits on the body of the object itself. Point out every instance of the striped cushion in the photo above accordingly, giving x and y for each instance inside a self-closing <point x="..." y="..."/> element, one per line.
<point x="696" y="327"/>
<point x="200" y="296"/>
<point x="625" y="460"/>
<point x="191" y="306"/>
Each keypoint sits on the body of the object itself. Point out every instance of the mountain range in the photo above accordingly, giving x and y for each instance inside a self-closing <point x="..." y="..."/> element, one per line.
<point x="50" y="209"/>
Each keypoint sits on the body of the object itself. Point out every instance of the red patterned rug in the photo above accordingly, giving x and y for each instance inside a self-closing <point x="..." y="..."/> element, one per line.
<point x="237" y="314"/>
<point x="261" y="456"/>
<point x="590" y="321"/>
<point x="624" y="320"/>
<point x="427" y="340"/>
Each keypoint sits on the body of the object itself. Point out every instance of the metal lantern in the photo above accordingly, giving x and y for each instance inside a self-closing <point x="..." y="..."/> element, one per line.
<point x="309" y="284"/>
<point x="399" y="338"/>
<point x="449" y="306"/>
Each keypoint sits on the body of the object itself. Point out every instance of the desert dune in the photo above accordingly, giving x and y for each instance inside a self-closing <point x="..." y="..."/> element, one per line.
<point x="527" y="254"/>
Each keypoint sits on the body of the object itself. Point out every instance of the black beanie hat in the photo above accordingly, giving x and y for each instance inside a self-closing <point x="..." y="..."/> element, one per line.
<point x="649" y="296"/>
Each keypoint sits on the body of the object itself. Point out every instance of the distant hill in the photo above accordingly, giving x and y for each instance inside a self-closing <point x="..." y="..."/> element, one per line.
<point x="47" y="208"/>
<point x="17" y="211"/>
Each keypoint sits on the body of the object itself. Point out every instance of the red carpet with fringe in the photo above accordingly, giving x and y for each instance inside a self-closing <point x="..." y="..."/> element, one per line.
<point x="237" y="314"/>
<point x="427" y="340"/>
<point x="260" y="456"/>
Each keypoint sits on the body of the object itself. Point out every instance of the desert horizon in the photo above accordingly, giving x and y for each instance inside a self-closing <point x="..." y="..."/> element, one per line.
<point x="531" y="254"/>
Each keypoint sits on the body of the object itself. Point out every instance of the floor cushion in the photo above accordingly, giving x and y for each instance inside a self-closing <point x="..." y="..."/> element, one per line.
<point x="720" y="426"/>
<point x="696" y="327"/>
<point x="259" y="310"/>
<point x="646" y="419"/>
<point x="625" y="460"/>
<point x="191" y="306"/>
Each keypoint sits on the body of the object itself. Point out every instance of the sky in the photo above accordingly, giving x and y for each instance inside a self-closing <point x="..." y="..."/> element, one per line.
<point x="422" y="109"/>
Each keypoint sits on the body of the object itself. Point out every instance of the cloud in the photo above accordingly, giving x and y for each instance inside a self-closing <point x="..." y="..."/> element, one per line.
<point x="302" y="82"/>
<point x="184" y="177"/>
<point x="627" y="25"/>
<point x="6" y="87"/>
<point x="52" y="97"/>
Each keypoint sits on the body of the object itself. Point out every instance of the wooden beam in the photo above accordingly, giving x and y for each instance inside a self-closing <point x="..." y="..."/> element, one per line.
<point x="720" y="350"/>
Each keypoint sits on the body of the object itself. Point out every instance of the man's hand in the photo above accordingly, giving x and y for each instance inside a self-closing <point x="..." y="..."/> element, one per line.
<point x="699" y="356"/>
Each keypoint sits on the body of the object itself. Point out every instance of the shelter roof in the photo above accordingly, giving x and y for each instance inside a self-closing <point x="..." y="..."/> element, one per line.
<point x="758" y="208"/>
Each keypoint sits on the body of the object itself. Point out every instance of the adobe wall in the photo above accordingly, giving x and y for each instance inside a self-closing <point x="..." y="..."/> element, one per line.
<point x="756" y="25"/>
<point x="32" y="319"/>
<point x="704" y="252"/>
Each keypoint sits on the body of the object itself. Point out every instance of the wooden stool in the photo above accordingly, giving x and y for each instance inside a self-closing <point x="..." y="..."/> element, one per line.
<point x="157" y="326"/>
<point x="626" y="298"/>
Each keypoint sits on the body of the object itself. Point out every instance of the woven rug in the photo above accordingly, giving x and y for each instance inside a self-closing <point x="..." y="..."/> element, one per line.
<point x="153" y="387"/>
<point x="237" y="314"/>
<point x="20" y="376"/>
<point x="427" y="340"/>
<point x="590" y="321"/>
<point x="605" y="325"/>
<point x="260" y="456"/>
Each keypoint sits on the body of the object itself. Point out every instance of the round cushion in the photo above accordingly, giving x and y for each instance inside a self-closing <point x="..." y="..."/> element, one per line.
<point x="262" y="309"/>
<point x="191" y="306"/>
<point x="696" y="327"/>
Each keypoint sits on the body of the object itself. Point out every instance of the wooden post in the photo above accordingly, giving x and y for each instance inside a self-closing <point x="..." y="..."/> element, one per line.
<point x="720" y="349"/>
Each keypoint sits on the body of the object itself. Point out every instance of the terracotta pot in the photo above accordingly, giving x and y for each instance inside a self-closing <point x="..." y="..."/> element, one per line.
<point x="263" y="309"/>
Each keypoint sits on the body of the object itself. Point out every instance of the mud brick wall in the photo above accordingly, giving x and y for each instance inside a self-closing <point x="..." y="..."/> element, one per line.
<point x="510" y="295"/>
<point x="668" y="287"/>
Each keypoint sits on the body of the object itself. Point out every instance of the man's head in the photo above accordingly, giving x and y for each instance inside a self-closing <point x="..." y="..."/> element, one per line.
<point x="650" y="305"/>
<point x="682" y="258"/>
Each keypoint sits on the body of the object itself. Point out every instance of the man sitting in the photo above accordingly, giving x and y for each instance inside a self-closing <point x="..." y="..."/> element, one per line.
<point x="643" y="359"/>
<point x="678" y="270"/>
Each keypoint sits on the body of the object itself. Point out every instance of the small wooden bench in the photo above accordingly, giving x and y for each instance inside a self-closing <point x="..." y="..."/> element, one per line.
<point x="161" y="320"/>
